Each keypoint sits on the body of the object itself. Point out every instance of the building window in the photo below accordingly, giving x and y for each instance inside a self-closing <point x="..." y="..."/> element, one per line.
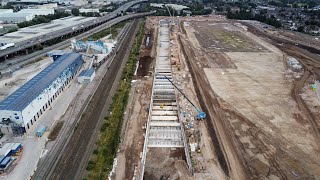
<point x="17" y="117"/>
<point x="31" y="122"/>
<point x="28" y="126"/>
<point x="15" y="114"/>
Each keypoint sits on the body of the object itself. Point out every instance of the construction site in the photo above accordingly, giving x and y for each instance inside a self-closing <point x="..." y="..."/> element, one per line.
<point x="220" y="99"/>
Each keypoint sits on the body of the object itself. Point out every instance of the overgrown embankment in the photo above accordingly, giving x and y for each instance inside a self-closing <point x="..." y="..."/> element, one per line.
<point x="113" y="30"/>
<point x="101" y="161"/>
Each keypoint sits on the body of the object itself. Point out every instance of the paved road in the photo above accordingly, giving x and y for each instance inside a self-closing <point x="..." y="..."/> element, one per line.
<point x="56" y="34"/>
<point x="66" y="159"/>
<point x="19" y="61"/>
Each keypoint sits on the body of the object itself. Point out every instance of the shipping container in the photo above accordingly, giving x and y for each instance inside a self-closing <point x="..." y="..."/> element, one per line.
<point x="41" y="130"/>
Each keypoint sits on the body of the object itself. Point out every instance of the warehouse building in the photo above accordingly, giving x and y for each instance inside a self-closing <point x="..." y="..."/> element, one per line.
<point x="4" y="11"/>
<point x="38" y="11"/>
<point x="16" y="17"/>
<point x="22" y="108"/>
<point x="82" y="10"/>
<point x="86" y="76"/>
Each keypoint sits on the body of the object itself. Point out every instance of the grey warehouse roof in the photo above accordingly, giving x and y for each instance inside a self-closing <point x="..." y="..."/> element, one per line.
<point x="22" y="97"/>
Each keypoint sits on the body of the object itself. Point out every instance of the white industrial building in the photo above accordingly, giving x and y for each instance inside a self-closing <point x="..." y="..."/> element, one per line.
<point x="47" y="6"/>
<point x="82" y="10"/>
<point x="37" y="11"/>
<point x="4" y="11"/>
<point x="72" y="2"/>
<point x="86" y="76"/>
<point x="16" y="17"/>
<point x="22" y="108"/>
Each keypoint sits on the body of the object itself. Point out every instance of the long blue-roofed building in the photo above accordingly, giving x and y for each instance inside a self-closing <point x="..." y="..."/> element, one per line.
<point x="22" y="108"/>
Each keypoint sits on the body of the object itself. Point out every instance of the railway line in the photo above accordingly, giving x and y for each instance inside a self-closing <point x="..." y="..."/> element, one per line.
<point x="68" y="160"/>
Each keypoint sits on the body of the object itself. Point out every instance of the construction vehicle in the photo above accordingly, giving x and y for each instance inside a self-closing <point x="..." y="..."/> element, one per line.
<point x="201" y="114"/>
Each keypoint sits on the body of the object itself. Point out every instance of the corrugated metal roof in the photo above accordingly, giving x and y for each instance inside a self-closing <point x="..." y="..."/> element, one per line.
<point x="22" y="97"/>
<point x="87" y="73"/>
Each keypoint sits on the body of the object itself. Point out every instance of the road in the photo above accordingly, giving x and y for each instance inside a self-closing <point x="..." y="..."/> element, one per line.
<point x="56" y="34"/>
<point x="72" y="152"/>
<point x="19" y="61"/>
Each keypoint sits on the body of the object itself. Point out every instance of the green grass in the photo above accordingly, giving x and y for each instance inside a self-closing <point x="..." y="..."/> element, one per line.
<point x="107" y="144"/>
<point x="104" y="33"/>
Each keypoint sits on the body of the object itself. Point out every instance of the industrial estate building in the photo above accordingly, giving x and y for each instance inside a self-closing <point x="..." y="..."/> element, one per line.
<point x="3" y="11"/>
<point x="8" y="16"/>
<point x="86" y="76"/>
<point x="38" y="11"/>
<point x="82" y="10"/>
<point x="22" y="108"/>
<point x="16" y="17"/>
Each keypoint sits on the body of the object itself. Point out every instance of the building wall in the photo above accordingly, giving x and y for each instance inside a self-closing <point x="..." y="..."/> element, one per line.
<point x="39" y="105"/>
<point x="12" y="115"/>
<point x="86" y="79"/>
<point x="88" y="10"/>
<point x="3" y="11"/>
<point x="38" y="11"/>
<point x="16" y="17"/>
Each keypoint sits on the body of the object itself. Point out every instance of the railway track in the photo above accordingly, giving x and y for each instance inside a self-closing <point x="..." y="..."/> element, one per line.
<point x="64" y="162"/>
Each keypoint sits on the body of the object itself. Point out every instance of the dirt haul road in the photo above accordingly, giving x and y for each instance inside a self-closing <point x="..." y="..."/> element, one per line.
<point x="308" y="57"/>
<point x="256" y="126"/>
<point x="232" y="165"/>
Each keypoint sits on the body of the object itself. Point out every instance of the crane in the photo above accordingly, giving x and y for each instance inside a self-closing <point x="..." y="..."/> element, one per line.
<point x="201" y="114"/>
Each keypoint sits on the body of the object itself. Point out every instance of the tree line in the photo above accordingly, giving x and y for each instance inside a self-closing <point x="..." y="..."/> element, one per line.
<point x="42" y="19"/>
<point x="247" y="15"/>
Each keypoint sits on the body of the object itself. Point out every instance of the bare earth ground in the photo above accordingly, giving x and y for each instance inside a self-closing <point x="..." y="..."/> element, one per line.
<point x="256" y="128"/>
<point x="271" y="133"/>
<point x="128" y="158"/>
<point x="20" y="77"/>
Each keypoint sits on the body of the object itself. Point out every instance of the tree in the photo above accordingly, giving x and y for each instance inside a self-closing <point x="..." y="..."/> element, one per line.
<point x="75" y="11"/>
<point x="312" y="4"/>
<point x="300" y="28"/>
